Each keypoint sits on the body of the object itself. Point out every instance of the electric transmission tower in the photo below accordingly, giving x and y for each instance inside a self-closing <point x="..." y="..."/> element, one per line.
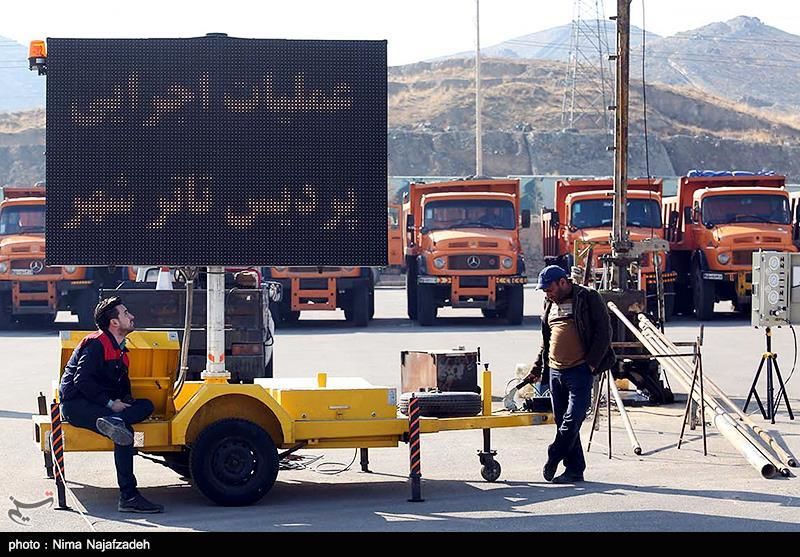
<point x="589" y="83"/>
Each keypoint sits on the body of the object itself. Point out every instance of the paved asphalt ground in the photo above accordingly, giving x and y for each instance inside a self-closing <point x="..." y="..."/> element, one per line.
<point x="664" y="489"/>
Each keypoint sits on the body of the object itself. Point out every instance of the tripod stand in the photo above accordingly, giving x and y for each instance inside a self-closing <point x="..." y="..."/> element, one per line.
<point x="771" y="359"/>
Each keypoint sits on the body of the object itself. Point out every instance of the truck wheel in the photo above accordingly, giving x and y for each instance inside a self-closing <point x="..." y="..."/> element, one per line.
<point x="289" y="316"/>
<point x="6" y="318"/>
<point x="669" y="307"/>
<point x="360" y="306"/>
<point x="426" y="305"/>
<point x="703" y="293"/>
<point x="489" y="313"/>
<point x="514" y="304"/>
<point x="412" y="289"/>
<point x="87" y="301"/>
<point x="234" y="462"/>
<point x="371" y="302"/>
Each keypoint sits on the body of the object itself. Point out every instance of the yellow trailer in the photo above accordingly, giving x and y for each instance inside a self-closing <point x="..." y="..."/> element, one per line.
<point x="227" y="437"/>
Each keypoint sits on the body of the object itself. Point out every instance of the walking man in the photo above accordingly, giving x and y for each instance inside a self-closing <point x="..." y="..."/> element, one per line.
<point x="576" y="344"/>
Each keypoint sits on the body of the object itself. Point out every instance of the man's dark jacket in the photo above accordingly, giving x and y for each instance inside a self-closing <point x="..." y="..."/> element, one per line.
<point x="97" y="371"/>
<point x="594" y="329"/>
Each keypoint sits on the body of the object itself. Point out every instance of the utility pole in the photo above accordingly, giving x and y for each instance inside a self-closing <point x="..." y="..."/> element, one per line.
<point x="620" y="242"/>
<point x="478" y="126"/>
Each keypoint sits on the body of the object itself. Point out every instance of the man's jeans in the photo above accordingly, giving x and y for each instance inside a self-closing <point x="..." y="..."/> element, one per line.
<point x="84" y="413"/>
<point x="571" y="392"/>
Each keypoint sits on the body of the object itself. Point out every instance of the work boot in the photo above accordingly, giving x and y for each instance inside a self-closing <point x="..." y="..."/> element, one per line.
<point x="549" y="470"/>
<point x="114" y="428"/>
<point x="138" y="504"/>
<point x="568" y="478"/>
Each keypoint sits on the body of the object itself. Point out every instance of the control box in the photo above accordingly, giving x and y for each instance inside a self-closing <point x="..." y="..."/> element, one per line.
<point x="776" y="288"/>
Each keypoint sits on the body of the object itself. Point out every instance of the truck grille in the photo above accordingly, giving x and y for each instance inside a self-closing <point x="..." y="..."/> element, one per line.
<point x="473" y="262"/>
<point x="743" y="257"/>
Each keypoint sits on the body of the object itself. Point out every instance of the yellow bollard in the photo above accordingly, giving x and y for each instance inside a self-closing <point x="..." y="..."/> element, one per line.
<point x="322" y="380"/>
<point x="486" y="390"/>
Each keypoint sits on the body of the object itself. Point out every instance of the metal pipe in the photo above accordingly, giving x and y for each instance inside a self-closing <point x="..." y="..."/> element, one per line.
<point x="717" y="392"/>
<point x="682" y="374"/>
<point x="637" y="448"/>
<point x="745" y="444"/>
<point x="727" y="427"/>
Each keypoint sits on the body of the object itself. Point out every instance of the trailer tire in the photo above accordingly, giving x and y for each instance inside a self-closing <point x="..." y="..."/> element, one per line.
<point x="234" y="462"/>
<point x="515" y="303"/>
<point x="426" y="305"/>
<point x="490" y="313"/>
<point x="491" y="471"/>
<point x="703" y="292"/>
<point x="443" y="405"/>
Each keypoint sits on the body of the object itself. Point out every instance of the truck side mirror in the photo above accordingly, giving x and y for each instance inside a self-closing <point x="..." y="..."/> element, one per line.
<point x="410" y="223"/>
<point x="673" y="220"/>
<point x="687" y="214"/>
<point x="555" y="220"/>
<point x="526" y="218"/>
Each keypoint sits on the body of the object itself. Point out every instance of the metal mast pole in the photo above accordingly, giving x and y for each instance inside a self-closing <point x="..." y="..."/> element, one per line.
<point x="620" y="241"/>
<point x="478" y="126"/>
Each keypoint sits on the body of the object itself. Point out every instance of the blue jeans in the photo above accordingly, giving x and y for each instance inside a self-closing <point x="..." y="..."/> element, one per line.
<point x="84" y="413"/>
<point x="571" y="393"/>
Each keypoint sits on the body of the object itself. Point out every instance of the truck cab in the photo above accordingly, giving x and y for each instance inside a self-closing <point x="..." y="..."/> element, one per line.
<point x="581" y="223"/>
<point x="463" y="248"/>
<point x="31" y="291"/>
<point x="714" y="225"/>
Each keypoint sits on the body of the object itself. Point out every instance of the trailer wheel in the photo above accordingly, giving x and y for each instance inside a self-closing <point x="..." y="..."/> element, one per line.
<point x="234" y="462"/>
<point x="514" y="304"/>
<point x="426" y="305"/>
<point x="449" y="404"/>
<point x="491" y="471"/>
<point x="704" y="294"/>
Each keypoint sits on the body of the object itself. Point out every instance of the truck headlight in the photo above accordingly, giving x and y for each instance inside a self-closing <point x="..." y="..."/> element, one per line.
<point x="507" y="262"/>
<point x="439" y="262"/>
<point x="70" y="269"/>
<point x="724" y="258"/>
<point x="3" y="267"/>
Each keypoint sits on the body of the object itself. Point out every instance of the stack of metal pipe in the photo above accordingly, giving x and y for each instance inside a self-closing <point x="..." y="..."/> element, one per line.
<point x="752" y="441"/>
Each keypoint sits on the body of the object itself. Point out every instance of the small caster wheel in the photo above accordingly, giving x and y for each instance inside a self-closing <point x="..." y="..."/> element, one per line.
<point x="491" y="471"/>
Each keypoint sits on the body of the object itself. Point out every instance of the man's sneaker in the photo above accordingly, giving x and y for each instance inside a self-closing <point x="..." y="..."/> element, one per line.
<point x="138" y="504"/>
<point x="114" y="428"/>
<point x="568" y="478"/>
<point x="549" y="470"/>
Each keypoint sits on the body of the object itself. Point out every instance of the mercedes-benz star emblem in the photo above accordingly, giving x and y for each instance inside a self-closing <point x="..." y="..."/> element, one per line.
<point x="36" y="267"/>
<point x="473" y="261"/>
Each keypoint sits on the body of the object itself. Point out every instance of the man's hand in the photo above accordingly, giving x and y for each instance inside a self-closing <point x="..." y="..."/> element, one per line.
<point x="119" y="406"/>
<point x="534" y="376"/>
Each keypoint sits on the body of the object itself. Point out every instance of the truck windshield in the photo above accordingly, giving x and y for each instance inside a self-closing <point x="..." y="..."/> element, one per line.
<point x="597" y="213"/>
<point x="725" y="209"/>
<point x="22" y="219"/>
<point x="467" y="213"/>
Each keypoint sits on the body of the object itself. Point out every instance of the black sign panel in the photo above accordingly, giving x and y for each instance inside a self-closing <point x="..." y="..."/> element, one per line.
<point x="216" y="151"/>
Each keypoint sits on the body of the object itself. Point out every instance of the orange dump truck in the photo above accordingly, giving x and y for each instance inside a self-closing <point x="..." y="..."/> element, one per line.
<point x="581" y="220"/>
<point x="325" y="288"/>
<point x="462" y="248"/>
<point x="31" y="291"/>
<point x="714" y="224"/>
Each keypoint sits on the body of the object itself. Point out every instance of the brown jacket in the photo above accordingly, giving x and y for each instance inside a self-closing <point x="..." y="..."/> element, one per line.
<point x="594" y="329"/>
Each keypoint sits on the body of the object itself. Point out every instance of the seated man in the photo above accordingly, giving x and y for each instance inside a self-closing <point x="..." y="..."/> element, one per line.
<point x="96" y="394"/>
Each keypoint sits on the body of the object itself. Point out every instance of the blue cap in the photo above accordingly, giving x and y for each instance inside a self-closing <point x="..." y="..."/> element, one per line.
<point x="550" y="274"/>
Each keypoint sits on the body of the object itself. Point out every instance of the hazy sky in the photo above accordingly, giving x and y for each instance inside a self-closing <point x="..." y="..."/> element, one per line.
<point x="415" y="29"/>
